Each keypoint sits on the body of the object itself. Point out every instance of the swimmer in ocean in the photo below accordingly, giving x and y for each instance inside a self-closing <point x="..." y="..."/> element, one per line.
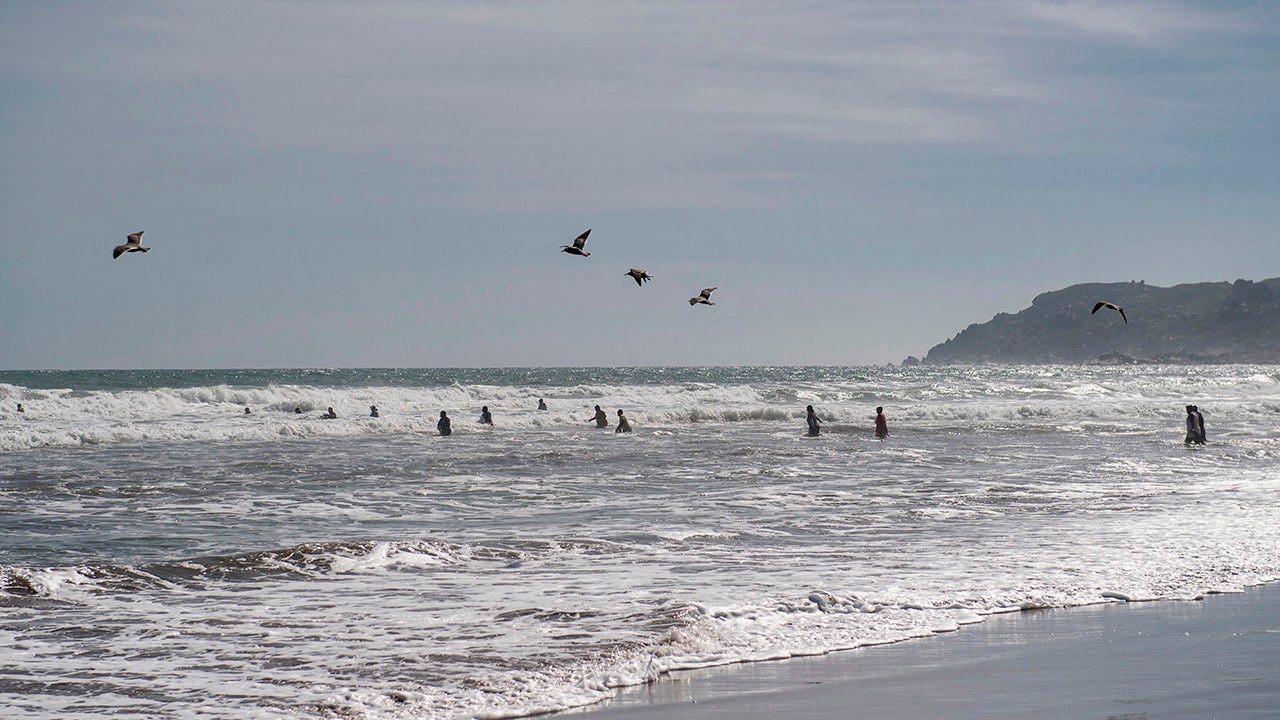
<point x="542" y="404"/>
<point x="330" y="414"/>
<point x="623" y="425"/>
<point x="813" y="421"/>
<point x="600" y="419"/>
<point x="373" y="411"/>
<point x="882" y="424"/>
<point x="444" y="426"/>
<point x="485" y="417"/>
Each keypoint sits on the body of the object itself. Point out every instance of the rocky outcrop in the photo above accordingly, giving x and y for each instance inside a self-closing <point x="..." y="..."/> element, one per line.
<point x="1194" y="323"/>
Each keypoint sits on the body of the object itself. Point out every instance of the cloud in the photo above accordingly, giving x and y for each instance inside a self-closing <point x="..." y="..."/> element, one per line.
<point x="1149" y="23"/>
<point x="390" y="146"/>
<point x="505" y="98"/>
<point x="667" y="104"/>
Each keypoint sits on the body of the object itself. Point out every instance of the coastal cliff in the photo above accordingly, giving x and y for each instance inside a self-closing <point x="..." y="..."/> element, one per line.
<point x="1220" y="322"/>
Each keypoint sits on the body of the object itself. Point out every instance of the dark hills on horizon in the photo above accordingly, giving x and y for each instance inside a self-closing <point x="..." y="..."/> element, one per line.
<point x="1211" y="322"/>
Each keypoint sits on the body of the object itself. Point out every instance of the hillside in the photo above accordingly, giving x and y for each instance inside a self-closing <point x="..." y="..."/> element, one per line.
<point x="1219" y="322"/>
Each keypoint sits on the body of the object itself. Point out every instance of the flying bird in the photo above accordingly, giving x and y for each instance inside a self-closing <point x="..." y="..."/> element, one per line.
<point x="1117" y="308"/>
<point x="704" y="298"/>
<point x="134" y="245"/>
<point x="578" y="243"/>
<point x="639" y="275"/>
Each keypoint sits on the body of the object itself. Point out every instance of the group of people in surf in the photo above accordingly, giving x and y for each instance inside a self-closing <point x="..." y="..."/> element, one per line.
<point x="601" y="419"/>
<point x="328" y="414"/>
<point x="445" y="426"/>
<point x="1195" y="421"/>
<point x="815" y="423"/>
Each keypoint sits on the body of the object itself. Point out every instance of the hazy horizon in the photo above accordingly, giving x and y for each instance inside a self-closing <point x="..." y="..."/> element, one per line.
<point x="388" y="185"/>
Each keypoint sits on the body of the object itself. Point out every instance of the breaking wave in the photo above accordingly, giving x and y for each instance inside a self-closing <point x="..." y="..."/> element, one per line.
<point x="959" y="399"/>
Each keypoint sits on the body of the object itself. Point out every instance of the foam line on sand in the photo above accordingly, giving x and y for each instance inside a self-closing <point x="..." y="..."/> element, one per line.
<point x="1170" y="660"/>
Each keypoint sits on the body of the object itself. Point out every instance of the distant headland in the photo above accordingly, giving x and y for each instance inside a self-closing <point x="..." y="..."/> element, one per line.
<point x="1222" y="322"/>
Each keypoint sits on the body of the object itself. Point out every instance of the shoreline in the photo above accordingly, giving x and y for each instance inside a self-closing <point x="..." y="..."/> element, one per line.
<point x="1216" y="657"/>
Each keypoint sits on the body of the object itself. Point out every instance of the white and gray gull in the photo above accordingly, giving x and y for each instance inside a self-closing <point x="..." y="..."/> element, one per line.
<point x="133" y="245"/>
<point x="704" y="298"/>
<point x="578" y="243"/>
<point x="1102" y="304"/>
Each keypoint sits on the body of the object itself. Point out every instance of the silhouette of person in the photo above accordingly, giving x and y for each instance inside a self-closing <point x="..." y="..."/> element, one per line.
<point x="21" y="409"/>
<point x="444" y="426"/>
<point x="542" y="404"/>
<point x="1193" y="427"/>
<point x="329" y="414"/>
<point x="373" y="411"/>
<point x="601" y="420"/>
<point x="247" y="411"/>
<point x="485" y="417"/>
<point x="623" y="425"/>
<point x="882" y="424"/>
<point x="811" y="418"/>
<point x="297" y="410"/>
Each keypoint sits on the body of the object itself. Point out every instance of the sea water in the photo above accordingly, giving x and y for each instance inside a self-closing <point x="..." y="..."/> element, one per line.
<point x="165" y="555"/>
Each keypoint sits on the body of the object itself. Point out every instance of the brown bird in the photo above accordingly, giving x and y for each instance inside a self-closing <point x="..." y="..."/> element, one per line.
<point x="704" y="298"/>
<point x="639" y="275"/>
<point x="134" y="245"/>
<point x="1117" y="308"/>
<point x="578" y="243"/>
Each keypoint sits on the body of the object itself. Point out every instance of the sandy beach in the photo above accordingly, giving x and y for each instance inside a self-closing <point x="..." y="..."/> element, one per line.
<point x="1170" y="660"/>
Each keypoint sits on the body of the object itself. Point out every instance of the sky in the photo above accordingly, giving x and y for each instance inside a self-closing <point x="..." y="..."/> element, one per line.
<point x="388" y="184"/>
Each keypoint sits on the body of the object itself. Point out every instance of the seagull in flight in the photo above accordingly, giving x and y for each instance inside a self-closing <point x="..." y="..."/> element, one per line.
<point x="1113" y="306"/>
<point x="578" y="243"/>
<point x="134" y="245"/>
<point x="639" y="275"/>
<point x="704" y="298"/>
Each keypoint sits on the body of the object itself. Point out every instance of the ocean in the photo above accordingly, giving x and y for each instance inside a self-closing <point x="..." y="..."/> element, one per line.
<point x="166" y="555"/>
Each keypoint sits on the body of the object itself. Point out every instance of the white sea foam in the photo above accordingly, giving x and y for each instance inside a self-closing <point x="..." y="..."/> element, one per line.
<point x="277" y="566"/>
<point x="66" y="418"/>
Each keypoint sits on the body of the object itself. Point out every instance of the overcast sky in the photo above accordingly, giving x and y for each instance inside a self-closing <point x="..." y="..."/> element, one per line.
<point x="352" y="184"/>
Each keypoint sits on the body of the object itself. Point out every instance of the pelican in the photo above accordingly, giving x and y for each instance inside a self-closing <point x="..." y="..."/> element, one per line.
<point x="704" y="298"/>
<point x="639" y="275"/>
<point x="1113" y="306"/>
<point x="134" y="245"/>
<point x="576" y="247"/>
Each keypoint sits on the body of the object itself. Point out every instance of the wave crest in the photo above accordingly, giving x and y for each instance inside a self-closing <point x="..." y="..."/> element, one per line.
<point x="308" y="560"/>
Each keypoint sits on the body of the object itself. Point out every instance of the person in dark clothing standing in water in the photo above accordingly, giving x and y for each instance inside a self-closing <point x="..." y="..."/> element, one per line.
<point x="601" y="420"/>
<point x="1195" y="426"/>
<point x="882" y="424"/>
<point x="444" y="426"/>
<point x="811" y="418"/>
<point x="485" y="417"/>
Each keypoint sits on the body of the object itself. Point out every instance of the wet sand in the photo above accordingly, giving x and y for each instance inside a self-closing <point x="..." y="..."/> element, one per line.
<point x="1170" y="660"/>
